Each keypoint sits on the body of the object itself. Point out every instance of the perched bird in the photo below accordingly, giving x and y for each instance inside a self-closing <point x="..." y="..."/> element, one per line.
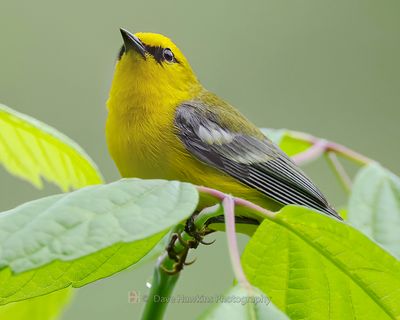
<point x="162" y="123"/>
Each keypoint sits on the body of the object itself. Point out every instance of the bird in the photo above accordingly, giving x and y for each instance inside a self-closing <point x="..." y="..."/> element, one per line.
<point x="163" y="124"/>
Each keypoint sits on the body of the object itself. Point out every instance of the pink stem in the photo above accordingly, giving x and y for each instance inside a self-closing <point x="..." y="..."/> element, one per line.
<point x="229" y="212"/>
<point x="340" y="171"/>
<point x="314" y="152"/>
<point x="321" y="146"/>
<point x="238" y="201"/>
<point x="212" y="192"/>
<point x="251" y="205"/>
<point x="228" y="203"/>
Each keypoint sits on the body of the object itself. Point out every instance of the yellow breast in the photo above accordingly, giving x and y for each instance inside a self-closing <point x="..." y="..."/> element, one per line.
<point x="138" y="142"/>
<point x="148" y="148"/>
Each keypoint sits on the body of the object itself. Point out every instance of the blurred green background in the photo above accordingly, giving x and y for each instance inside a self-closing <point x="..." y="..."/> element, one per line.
<point x="331" y="68"/>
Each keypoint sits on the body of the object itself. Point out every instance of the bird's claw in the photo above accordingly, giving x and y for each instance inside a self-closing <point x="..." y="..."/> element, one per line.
<point x="207" y="243"/>
<point x="179" y="255"/>
<point x="171" y="248"/>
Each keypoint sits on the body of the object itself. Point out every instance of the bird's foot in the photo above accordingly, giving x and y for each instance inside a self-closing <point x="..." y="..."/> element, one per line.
<point x="181" y="242"/>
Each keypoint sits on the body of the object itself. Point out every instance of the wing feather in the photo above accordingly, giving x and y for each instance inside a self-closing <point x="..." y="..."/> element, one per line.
<point x="253" y="160"/>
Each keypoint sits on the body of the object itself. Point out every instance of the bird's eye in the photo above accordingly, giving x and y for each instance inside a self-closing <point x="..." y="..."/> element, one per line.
<point x="168" y="55"/>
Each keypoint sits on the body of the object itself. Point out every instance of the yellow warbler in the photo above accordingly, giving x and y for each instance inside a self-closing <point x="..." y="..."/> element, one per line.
<point x="162" y="123"/>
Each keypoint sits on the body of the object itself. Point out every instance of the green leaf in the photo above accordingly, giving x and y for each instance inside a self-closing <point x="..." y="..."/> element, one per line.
<point x="290" y="145"/>
<point x="293" y="146"/>
<point x="30" y="150"/>
<point x="80" y="237"/>
<point x="374" y="206"/>
<point x="314" y="267"/>
<point x="47" y="307"/>
<point x="241" y="304"/>
<point x="343" y="212"/>
<point x="276" y="135"/>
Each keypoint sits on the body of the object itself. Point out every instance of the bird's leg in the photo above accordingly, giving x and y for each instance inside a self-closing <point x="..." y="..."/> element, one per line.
<point x="196" y="225"/>
<point x="189" y="237"/>
<point x="177" y="250"/>
<point x="170" y="247"/>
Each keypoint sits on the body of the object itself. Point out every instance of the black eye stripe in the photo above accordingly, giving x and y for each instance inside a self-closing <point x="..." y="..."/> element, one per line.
<point x="157" y="53"/>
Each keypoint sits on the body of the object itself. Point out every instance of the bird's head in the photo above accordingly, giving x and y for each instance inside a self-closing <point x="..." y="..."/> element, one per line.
<point x="151" y="66"/>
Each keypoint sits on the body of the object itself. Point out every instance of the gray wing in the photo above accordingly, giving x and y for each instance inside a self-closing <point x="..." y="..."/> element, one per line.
<point x="255" y="161"/>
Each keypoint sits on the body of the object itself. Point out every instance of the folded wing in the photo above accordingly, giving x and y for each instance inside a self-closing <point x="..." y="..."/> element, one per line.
<point x="252" y="159"/>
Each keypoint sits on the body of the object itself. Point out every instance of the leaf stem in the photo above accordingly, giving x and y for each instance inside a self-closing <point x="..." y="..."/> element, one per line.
<point x="229" y="213"/>
<point x="238" y="201"/>
<point x="228" y="204"/>
<point x="339" y="171"/>
<point x="312" y="153"/>
<point x="320" y="146"/>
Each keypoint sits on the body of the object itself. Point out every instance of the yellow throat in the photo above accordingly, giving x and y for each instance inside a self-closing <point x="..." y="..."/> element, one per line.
<point x="146" y="89"/>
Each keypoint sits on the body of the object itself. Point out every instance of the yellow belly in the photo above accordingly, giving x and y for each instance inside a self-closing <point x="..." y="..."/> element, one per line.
<point x="144" y="150"/>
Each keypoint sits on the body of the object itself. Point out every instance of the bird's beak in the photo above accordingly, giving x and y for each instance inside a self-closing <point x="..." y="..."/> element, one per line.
<point x="132" y="42"/>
